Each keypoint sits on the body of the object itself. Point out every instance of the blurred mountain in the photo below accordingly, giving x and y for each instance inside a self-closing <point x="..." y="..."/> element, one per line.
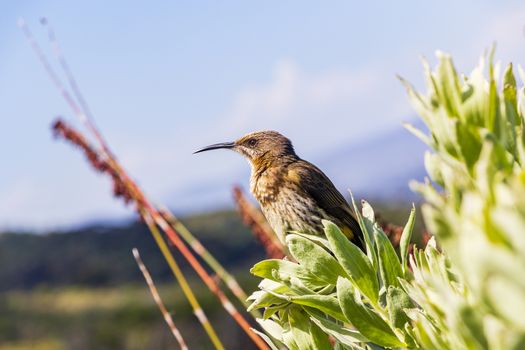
<point x="380" y="167"/>
<point x="101" y="255"/>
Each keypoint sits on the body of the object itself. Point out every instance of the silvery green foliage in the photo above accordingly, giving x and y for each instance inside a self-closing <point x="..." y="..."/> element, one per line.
<point x="334" y="289"/>
<point x="476" y="134"/>
<point x="469" y="293"/>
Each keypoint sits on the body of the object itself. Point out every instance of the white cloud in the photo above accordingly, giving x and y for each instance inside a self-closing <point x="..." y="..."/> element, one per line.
<point x="273" y="100"/>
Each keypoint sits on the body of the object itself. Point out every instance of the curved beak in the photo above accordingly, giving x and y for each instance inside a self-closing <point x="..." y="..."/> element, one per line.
<point x="228" y="145"/>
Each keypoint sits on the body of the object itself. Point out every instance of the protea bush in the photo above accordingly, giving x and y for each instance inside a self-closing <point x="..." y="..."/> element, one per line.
<point x="466" y="288"/>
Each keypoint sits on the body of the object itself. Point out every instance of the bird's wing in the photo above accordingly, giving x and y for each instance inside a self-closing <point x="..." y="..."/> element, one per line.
<point x="315" y="183"/>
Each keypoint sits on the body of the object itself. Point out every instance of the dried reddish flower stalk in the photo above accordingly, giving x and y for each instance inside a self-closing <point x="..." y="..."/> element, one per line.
<point x="120" y="190"/>
<point x="221" y="273"/>
<point x="124" y="187"/>
<point x="425" y="237"/>
<point x="393" y="233"/>
<point x="253" y="218"/>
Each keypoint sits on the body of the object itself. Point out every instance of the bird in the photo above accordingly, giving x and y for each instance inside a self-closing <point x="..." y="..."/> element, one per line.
<point x="294" y="194"/>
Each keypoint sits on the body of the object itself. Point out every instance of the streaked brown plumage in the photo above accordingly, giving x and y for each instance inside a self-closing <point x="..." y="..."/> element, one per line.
<point x="294" y="194"/>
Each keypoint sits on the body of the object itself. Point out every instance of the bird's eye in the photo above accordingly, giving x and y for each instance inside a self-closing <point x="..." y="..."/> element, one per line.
<point x="252" y="142"/>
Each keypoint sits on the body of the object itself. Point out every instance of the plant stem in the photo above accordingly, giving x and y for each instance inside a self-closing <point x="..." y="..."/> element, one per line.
<point x="186" y="289"/>
<point x="156" y="297"/>
<point x="215" y="265"/>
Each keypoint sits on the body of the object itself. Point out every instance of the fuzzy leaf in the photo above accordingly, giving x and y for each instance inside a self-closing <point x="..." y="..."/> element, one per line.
<point x="300" y="329"/>
<point x="389" y="265"/>
<point x="266" y="338"/>
<point x="367" y="322"/>
<point x="267" y="269"/>
<point x="325" y="303"/>
<point x="397" y="302"/>
<point x="314" y="258"/>
<point x="354" y="262"/>
<point x="406" y="236"/>
<point x="342" y="334"/>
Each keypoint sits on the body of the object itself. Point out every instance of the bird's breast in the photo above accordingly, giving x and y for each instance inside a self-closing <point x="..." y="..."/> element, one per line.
<point x="266" y="186"/>
<point x="293" y="211"/>
<point x="285" y="205"/>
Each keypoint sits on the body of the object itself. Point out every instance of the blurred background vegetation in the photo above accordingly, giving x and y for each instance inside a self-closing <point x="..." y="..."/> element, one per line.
<point x="81" y="289"/>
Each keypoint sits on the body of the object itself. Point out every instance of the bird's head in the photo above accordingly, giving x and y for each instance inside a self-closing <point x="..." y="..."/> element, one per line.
<point x="260" y="147"/>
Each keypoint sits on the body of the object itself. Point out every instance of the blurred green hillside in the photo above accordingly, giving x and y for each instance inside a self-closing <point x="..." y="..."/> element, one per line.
<point x="83" y="290"/>
<point x="101" y="256"/>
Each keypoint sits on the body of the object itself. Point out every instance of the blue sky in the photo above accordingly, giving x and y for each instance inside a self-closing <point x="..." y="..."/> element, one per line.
<point x="164" y="78"/>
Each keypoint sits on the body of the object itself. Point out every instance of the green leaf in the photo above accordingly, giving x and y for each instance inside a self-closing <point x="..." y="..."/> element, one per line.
<point x="511" y="113"/>
<point x="448" y="87"/>
<point x="263" y="298"/>
<point x="505" y="293"/>
<point x="418" y="102"/>
<point x="342" y="334"/>
<point x="300" y="328"/>
<point x="271" y="328"/>
<point x="492" y="120"/>
<point x="354" y="262"/>
<point x="288" y="335"/>
<point x="406" y="237"/>
<point x="267" y="269"/>
<point x="389" y="265"/>
<point x="397" y="302"/>
<point x="266" y="338"/>
<point x="325" y="303"/>
<point x="314" y="258"/>
<point x="319" y="337"/>
<point x="366" y="227"/>
<point x="472" y="326"/>
<point x="509" y="86"/>
<point x="370" y="324"/>
<point x="367" y="219"/>
<point x="271" y="310"/>
<point x="314" y="238"/>
<point x="418" y="133"/>
<point x="469" y="143"/>
<point x="434" y="167"/>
